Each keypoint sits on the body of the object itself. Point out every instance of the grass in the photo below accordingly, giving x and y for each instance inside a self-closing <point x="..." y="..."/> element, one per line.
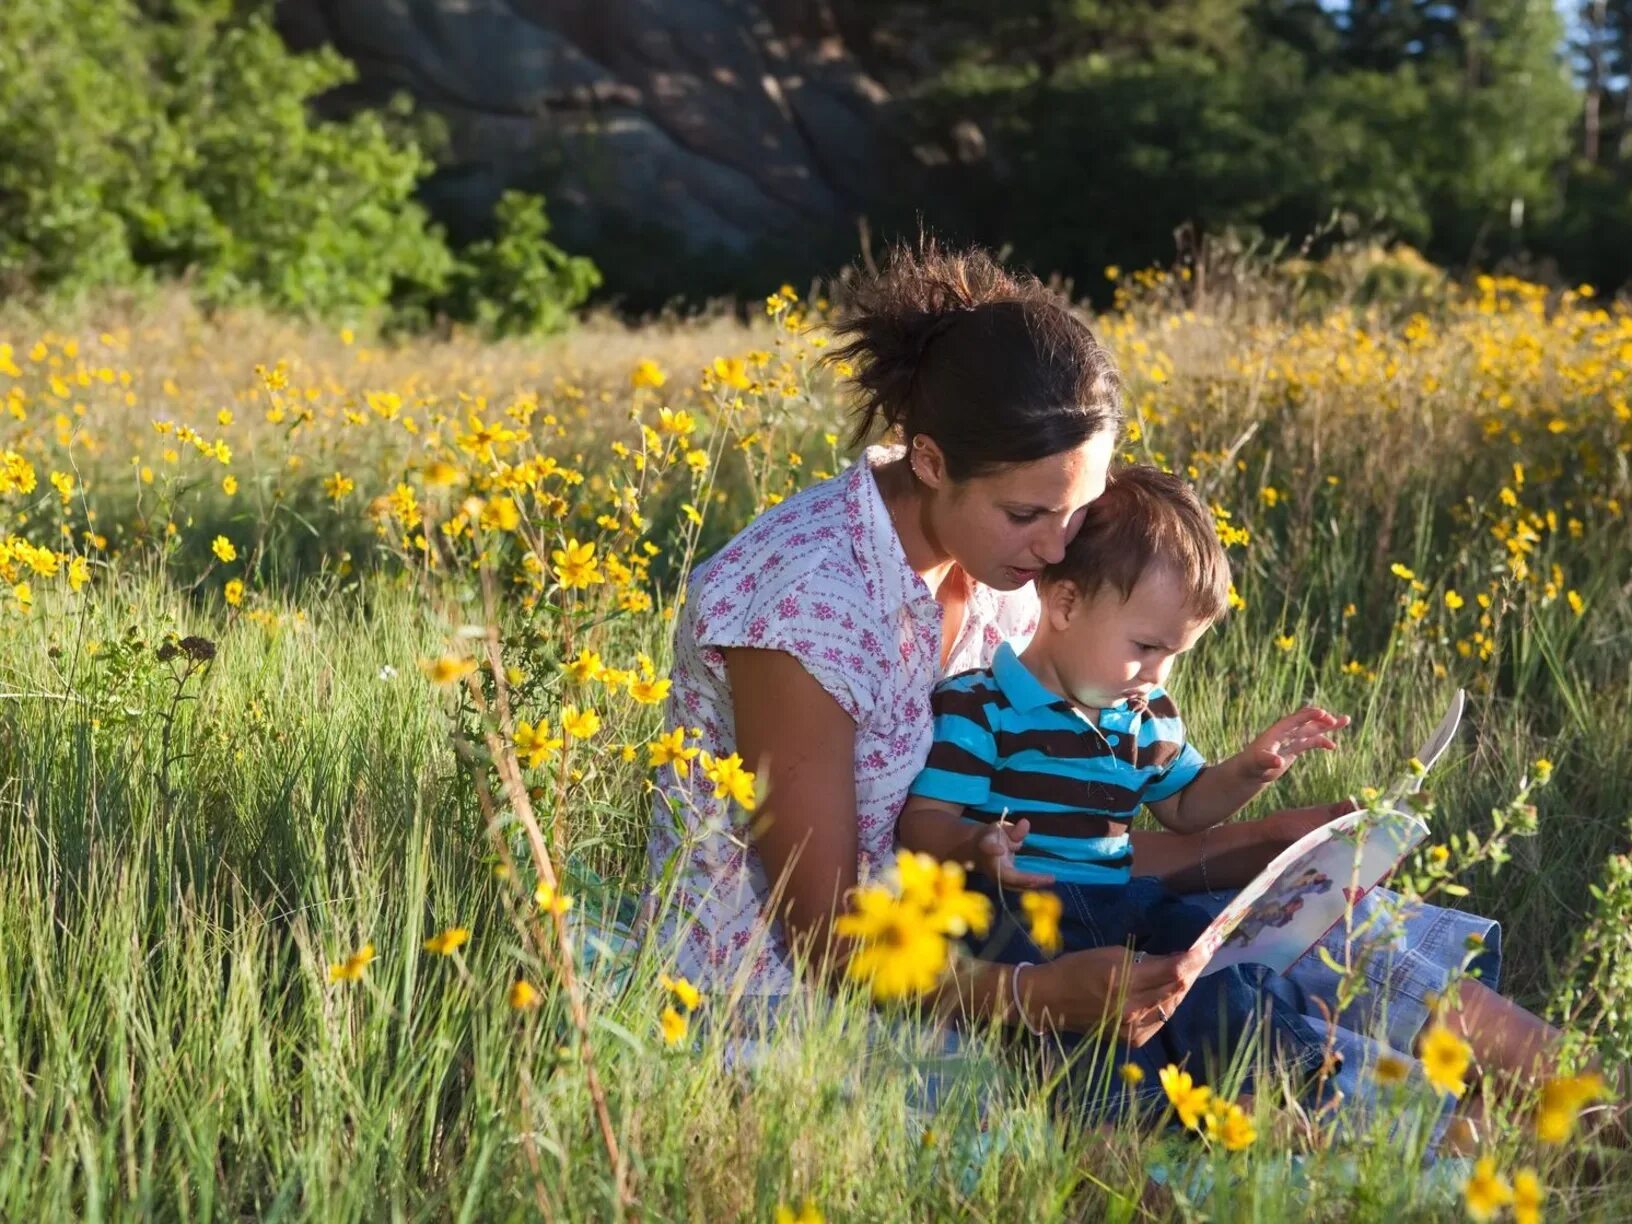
<point x="186" y="853"/>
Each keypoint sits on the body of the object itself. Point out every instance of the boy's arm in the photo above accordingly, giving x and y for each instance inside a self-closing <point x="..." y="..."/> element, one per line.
<point x="1217" y="793"/>
<point x="938" y="829"/>
<point x="1220" y="791"/>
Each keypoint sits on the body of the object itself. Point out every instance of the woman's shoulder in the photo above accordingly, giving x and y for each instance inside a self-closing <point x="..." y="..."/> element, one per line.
<point x="800" y="547"/>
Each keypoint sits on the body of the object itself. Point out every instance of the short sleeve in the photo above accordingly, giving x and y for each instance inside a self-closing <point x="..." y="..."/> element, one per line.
<point x="1180" y="772"/>
<point x="829" y="653"/>
<point x="962" y="753"/>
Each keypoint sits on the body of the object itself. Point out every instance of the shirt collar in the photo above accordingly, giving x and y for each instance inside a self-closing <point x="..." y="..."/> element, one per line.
<point x="1023" y="690"/>
<point x="890" y="581"/>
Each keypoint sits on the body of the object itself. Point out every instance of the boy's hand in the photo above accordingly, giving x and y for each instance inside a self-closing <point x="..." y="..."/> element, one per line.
<point x="993" y="853"/>
<point x="1272" y="753"/>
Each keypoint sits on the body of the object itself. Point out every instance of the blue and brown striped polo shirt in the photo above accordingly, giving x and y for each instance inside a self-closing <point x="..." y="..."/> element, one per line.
<point x="1007" y="747"/>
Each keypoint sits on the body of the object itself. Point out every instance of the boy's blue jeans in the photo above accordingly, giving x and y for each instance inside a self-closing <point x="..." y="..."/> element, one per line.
<point x="1221" y="1012"/>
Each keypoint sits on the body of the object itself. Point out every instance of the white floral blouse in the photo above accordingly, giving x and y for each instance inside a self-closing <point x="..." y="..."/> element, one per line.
<point x="821" y="576"/>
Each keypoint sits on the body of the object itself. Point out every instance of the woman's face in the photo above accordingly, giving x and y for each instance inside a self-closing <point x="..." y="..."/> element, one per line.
<point x="1003" y="528"/>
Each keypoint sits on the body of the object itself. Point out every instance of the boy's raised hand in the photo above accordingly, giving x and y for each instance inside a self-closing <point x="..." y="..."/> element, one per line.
<point x="1272" y="753"/>
<point x="994" y="851"/>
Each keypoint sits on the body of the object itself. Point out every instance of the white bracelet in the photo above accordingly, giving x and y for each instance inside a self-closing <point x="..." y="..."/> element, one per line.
<point x="1019" y="1008"/>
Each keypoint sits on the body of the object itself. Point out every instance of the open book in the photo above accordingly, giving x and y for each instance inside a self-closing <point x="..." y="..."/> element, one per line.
<point x="1308" y="887"/>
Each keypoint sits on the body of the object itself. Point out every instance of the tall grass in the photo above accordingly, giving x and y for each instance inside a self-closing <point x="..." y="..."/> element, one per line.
<point x="183" y="859"/>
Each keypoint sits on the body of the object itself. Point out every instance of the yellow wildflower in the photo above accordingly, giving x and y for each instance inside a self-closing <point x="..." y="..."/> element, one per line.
<point x="351" y="968"/>
<point x="534" y="744"/>
<point x="808" y="1214"/>
<point x="939" y="888"/>
<point x="899" y="953"/>
<point x="447" y="669"/>
<point x="1189" y="1098"/>
<point x="1230" y="1126"/>
<point x="649" y="690"/>
<point x="522" y="995"/>
<point x="670" y="749"/>
<point x="233" y="592"/>
<point x="1528" y="1196"/>
<point x="223" y="549"/>
<point x="647" y="373"/>
<point x="448" y="941"/>
<point x="580" y="724"/>
<point x="586" y="667"/>
<point x="442" y="474"/>
<point x="674" y="1026"/>
<point x="1042" y="910"/>
<point x="1562" y="1100"/>
<point x="549" y="900"/>
<point x="687" y="995"/>
<point x="575" y="565"/>
<point x="730" y="778"/>
<point x="676" y="424"/>
<point x="1445" y="1059"/>
<point x="1486" y="1192"/>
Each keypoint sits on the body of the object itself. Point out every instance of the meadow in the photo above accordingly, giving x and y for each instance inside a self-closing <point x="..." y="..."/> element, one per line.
<point x="332" y="678"/>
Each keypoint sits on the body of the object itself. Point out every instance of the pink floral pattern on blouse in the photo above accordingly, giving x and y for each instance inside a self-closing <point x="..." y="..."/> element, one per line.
<point x="823" y="577"/>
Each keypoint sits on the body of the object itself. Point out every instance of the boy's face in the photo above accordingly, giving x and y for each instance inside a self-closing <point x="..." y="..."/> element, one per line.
<point x="1104" y="649"/>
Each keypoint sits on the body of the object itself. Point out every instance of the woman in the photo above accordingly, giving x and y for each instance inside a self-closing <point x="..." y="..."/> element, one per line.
<point x="809" y="646"/>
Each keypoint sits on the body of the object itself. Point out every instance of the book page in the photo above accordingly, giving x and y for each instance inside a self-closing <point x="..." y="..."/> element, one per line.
<point x="1305" y="891"/>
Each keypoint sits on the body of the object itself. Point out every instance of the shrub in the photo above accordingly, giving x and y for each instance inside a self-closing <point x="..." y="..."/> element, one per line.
<point x="159" y="138"/>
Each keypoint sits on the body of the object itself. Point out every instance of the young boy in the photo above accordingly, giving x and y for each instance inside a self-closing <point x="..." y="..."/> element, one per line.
<point x="1040" y="761"/>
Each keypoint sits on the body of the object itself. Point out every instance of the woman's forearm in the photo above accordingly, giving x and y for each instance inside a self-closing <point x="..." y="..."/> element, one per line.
<point x="976" y="989"/>
<point x="1225" y="856"/>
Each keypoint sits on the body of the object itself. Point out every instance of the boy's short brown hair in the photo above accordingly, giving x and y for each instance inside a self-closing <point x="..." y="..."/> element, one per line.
<point x="1148" y="517"/>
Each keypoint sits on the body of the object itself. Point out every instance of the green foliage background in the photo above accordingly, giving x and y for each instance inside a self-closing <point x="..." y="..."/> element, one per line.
<point x="1113" y="125"/>
<point x="163" y="138"/>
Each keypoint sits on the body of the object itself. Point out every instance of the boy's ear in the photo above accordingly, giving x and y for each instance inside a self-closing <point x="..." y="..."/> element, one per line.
<point x="1061" y="601"/>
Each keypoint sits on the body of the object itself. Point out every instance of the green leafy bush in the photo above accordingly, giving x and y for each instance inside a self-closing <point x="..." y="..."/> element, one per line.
<point x="158" y="138"/>
<point x="517" y="280"/>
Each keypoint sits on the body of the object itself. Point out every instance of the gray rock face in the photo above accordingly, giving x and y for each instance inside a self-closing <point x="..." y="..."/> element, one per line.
<point x="727" y="123"/>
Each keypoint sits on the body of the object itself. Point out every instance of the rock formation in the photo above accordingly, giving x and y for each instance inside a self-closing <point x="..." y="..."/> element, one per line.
<point x="717" y="127"/>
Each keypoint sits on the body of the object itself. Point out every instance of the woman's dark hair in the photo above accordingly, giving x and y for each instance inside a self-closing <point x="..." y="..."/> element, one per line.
<point x="989" y="363"/>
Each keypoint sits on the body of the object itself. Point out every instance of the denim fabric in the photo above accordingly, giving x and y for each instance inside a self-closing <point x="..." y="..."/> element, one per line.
<point x="1219" y="1015"/>
<point x="1406" y="966"/>
<point x="1408" y="961"/>
<point x="1408" y="958"/>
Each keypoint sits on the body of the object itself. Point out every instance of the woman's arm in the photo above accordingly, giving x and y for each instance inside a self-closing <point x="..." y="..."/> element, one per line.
<point x="801" y="743"/>
<point x="1233" y="853"/>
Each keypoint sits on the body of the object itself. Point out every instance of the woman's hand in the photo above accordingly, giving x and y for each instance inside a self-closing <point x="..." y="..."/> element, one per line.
<point x="1080" y="991"/>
